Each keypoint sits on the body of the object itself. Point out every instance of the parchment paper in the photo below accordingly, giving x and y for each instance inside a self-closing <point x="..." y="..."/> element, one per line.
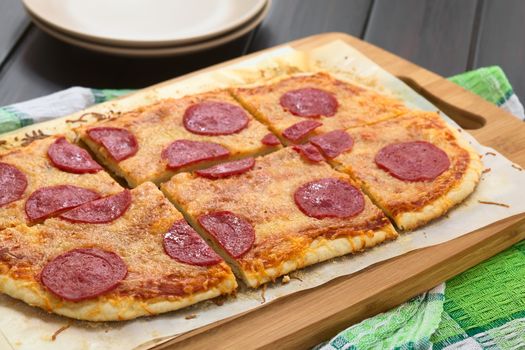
<point x="25" y="327"/>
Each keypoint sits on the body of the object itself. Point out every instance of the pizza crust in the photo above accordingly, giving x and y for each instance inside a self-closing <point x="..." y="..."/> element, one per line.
<point x="461" y="190"/>
<point x="104" y="309"/>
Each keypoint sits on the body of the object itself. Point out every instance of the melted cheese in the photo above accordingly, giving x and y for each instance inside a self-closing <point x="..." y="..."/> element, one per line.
<point x="264" y="197"/>
<point x="32" y="160"/>
<point x="154" y="283"/>
<point x="156" y="126"/>
<point x="357" y="106"/>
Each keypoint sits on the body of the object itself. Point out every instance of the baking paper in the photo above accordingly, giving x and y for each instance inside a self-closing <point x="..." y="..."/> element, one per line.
<point x="25" y="327"/>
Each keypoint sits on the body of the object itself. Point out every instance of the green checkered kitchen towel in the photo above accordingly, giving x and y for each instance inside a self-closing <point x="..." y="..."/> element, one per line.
<point x="483" y="308"/>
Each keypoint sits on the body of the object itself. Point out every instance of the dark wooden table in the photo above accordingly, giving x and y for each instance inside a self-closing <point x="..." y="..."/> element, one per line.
<point x="445" y="36"/>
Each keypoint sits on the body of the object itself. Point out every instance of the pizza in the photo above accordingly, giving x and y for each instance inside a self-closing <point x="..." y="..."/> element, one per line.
<point x="414" y="167"/>
<point x="281" y="212"/>
<point x="299" y="106"/>
<point x="154" y="142"/>
<point x="122" y="256"/>
<point x="47" y="177"/>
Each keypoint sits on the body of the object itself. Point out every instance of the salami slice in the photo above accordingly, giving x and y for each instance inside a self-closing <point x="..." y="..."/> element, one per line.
<point x="84" y="273"/>
<point x="233" y="233"/>
<point x="329" y="197"/>
<point x="215" y="118"/>
<point x="270" y="140"/>
<point x="100" y="211"/>
<point x="48" y="201"/>
<point x="13" y="183"/>
<point x="227" y="169"/>
<point x="333" y="143"/>
<point x="119" y="143"/>
<point x="309" y="152"/>
<point x="309" y="103"/>
<point x="413" y="161"/>
<point x="71" y="158"/>
<point x="299" y="130"/>
<point x="185" y="152"/>
<point x="183" y="244"/>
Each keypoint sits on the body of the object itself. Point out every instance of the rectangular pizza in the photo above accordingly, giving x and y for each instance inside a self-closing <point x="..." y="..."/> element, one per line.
<point x="414" y="167"/>
<point x="47" y="177"/>
<point x="154" y="142"/>
<point x="283" y="211"/>
<point x="123" y="256"/>
<point x="299" y="106"/>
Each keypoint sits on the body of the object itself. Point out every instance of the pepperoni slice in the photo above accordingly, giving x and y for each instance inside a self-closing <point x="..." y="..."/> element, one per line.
<point x="85" y="273"/>
<point x="233" y="233"/>
<point x="48" y="201"/>
<point x="413" y="161"/>
<point x="215" y="118"/>
<point x="183" y="244"/>
<point x="119" y="143"/>
<point x="13" y="183"/>
<point x="101" y="210"/>
<point x="309" y="152"/>
<point x="309" y="103"/>
<point x="71" y="158"/>
<point x="299" y="130"/>
<point x="333" y="143"/>
<point x="270" y="140"/>
<point x="227" y="169"/>
<point x="184" y="152"/>
<point x="326" y="198"/>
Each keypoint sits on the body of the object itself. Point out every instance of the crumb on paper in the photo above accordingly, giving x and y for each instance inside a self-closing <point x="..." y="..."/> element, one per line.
<point x="486" y="170"/>
<point x="516" y="167"/>
<point x="285" y="279"/>
<point x="190" y="317"/>
<point x="219" y="301"/>
<point x="263" y="292"/>
<point x="60" y="330"/>
<point x="495" y="203"/>
<point x="490" y="153"/>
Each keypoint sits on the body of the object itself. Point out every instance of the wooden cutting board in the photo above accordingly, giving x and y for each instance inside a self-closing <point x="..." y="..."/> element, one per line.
<point x="307" y="318"/>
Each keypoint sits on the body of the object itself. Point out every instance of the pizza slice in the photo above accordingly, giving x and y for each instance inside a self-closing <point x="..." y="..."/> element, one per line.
<point x="154" y="142"/>
<point x="414" y="167"/>
<point x="287" y="211"/>
<point x="127" y="255"/>
<point x="300" y="106"/>
<point x="47" y="177"/>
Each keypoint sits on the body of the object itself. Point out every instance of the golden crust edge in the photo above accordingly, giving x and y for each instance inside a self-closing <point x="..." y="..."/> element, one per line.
<point x="121" y="309"/>
<point x="457" y="194"/>
<point x="319" y="250"/>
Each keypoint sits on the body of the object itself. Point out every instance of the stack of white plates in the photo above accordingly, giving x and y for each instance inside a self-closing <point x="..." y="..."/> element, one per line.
<point x="147" y="27"/>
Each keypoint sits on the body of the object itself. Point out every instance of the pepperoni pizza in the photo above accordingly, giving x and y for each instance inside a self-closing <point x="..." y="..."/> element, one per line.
<point x="278" y="213"/>
<point x="154" y="142"/>
<point x="47" y="177"/>
<point x="300" y="106"/>
<point x="415" y="167"/>
<point x="116" y="258"/>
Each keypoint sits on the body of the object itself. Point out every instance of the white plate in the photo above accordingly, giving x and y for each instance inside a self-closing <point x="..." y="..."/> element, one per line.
<point x="157" y="51"/>
<point x="144" y="22"/>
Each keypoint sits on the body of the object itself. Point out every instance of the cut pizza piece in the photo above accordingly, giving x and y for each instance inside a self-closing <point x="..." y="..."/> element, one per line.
<point x="47" y="177"/>
<point x="127" y="255"/>
<point x="154" y="142"/>
<point x="300" y="106"/>
<point x="285" y="213"/>
<point x="415" y="167"/>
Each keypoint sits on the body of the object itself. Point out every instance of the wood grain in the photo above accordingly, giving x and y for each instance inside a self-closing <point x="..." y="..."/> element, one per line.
<point x="433" y="34"/>
<point x="306" y="318"/>
<point x="501" y="40"/>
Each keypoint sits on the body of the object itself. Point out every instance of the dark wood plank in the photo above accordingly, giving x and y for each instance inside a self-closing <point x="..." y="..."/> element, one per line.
<point x="293" y="19"/>
<point x="433" y="34"/>
<point x="13" y="23"/>
<point x="502" y="41"/>
<point x="42" y="65"/>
